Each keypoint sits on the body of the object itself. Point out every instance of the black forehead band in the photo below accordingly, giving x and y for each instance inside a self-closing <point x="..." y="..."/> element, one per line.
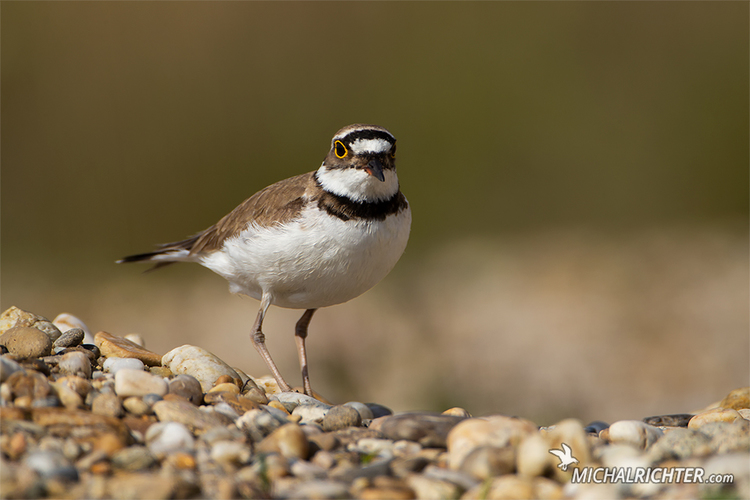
<point x="367" y="134"/>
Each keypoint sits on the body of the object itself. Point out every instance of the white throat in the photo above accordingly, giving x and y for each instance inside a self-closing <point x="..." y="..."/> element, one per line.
<point x="358" y="185"/>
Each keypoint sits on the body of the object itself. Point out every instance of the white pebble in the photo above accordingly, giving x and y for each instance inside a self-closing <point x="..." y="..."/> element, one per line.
<point x="230" y="452"/>
<point x="164" y="438"/>
<point x="201" y="364"/>
<point x="138" y="383"/>
<point x="635" y="433"/>
<point x="75" y="363"/>
<point x="113" y="365"/>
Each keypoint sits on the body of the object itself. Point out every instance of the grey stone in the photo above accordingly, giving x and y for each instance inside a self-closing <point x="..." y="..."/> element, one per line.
<point x="133" y="458"/>
<point x="340" y="417"/>
<point x="676" y="420"/>
<point x="70" y="338"/>
<point x="75" y="363"/>
<point x="188" y="387"/>
<point x="429" y="430"/>
<point x="51" y="465"/>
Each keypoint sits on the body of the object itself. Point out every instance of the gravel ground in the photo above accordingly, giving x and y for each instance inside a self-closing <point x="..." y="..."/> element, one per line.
<point x="101" y="416"/>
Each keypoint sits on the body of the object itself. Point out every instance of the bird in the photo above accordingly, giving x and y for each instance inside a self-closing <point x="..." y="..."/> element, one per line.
<point x="566" y="457"/>
<point x="310" y="241"/>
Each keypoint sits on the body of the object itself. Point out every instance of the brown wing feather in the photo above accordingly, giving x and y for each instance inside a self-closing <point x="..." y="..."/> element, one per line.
<point x="275" y="204"/>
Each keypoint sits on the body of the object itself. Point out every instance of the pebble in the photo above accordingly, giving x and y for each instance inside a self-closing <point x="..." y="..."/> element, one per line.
<point x="67" y="396"/>
<point x="318" y="490"/>
<point x="7" y="368"/>
<point x="498" y="431"/>
<point x="186" y="413"/>
<point x="289" y="440"/>
<point x="71" y="338"/>
<point x="634" y="433"/>
<point x="364" y="411"/>
<point x="738" y="399"/>
<point x="310" y="414"/>
<point x="205" y="366"/>
<point x="378" y="410"/>
<point x="65" y="322"/>
<point x="188" y="387"/>
<point x="429" y="430"/>
<point x="26" y="342"/>
<point x="136" y="406"/>
<point x="428" y="488"/>
<point x="165" y="438"/>
<point x="259" y="423"/>
<point x="457" y="412"/>
<point x="717" y="415"/>
<point x="15" y="317"/>
<point x="114" y="364"/>
<point x="107" y="404"/>
<point x="114" y="346"/>
<point x="680" y="444"/>
<point x="486" y="462"/>
<point x="75" y="363"/>
<point x="135" y="338"/>
<point x="340" y="417"/>
<point x="51" y="465"/>
<point x="133" y="458"/>
<point x="138" y="383"/>
<point x="728" y="437"/>
<point x="597" y="426"/>
<point x="230" y="452"/>
<point x="225" y="387"/>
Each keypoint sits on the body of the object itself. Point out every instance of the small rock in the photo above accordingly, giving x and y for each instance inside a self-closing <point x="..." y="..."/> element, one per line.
<point x="107" y="404"/>
<point x="457" y="412"/>
<point x="486" y="462"/>
<point x="225" y="387"/>
<point x="136" y="406"/>
<point x="26" y="342"/>
<point x="80" y="385"/>
<point x="186" y="413"/>
<point x="188" y="387"/>
<point x="597" y="426"/>
<point x="310" y="414"/>
<point x="67" y="396"/>
<point x="318" y="490"/>
<point x="258" y="424"/>
<point x="634" y="433"/>
<point x="206" y="367"/>
<point x="65" y="322"/>
<point x="676" y="420"/>
<point x="717" y="415"/>
<point x="75" y="363"/>
<point x="135" y="338"/>
<point x="7" y="368"/>
<point x="428" y="488"/>
<point x="738" y="399"/>
<point x="51" y="465"/>
<point x="341" y="417"/>
<point x="71" y="338"/>
<point x="15" y="317"/>
<point x="288" y="440"/>
<point x="429" y="430"/>
<point x="238" y="404"/>
<point x="504" y="487"/>
<point x="133" y="458"/>
<point x="138" y="383"/>
<point x="534" y="457"/>
<point x="497" y="431"/>
<point x="160" y="371"/>
<point x="680" y="444"/>
<point x="728" y="437"/>
<point x="165" y="438"/>
<point x="114" y="364"/>
<point x="379" y="410"/>
<point x="364" y="412"/>
<point x="118" y="347"/>
<point x="230" y="452"/>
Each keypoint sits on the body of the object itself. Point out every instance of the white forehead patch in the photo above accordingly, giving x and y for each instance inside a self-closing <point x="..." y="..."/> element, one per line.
<point x="373" y="146"/>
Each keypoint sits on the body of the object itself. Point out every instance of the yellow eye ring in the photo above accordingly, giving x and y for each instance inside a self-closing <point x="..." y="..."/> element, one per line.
<point x="339" y="149"/>
<point x="393" y="151"/>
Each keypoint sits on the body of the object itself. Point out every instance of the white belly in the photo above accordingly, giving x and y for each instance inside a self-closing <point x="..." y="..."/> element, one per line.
<point x="315" y="261"/>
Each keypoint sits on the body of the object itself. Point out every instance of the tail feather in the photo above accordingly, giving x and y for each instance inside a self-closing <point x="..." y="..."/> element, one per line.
<point x="168" y="253"/>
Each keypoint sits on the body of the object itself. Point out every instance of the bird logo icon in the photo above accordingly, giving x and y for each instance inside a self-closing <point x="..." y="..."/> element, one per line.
<point x="566" y="457"/>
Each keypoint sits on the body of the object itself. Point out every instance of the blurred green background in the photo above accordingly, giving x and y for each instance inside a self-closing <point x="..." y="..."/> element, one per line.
<point x="578" y="174"/>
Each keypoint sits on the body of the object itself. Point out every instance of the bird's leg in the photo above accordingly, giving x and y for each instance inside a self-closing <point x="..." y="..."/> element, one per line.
<point x="259" y="341"/>
<point x="300" y="334"/>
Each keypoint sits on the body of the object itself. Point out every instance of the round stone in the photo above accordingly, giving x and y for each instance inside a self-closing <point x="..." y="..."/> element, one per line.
<point x="634" y="433"/>
<point x="26" y="342"/>
<point x="114" y="364"/>
<point x="498" y="431"/>
<point x="136" y="406"/>
<point x="364" y="411"/>
<point x="138" y="383"/>
<point x="188" y="387"/>
<point x="738" y="399"/>
<point x="71" y="338"/>
<point x="717" y="415"/>
<point x="133" y="458"/>
<point x="205" y="366"/>
<point x="75" y="363"/>
<point x="107" y="404"/>
<point x="340" y="417"/>
<point x="164" y="438"/>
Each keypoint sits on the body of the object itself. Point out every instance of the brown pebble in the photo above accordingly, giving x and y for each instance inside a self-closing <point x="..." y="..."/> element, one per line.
<point x="224" y="379"/>
<point x="225" y="387"/>
<point x="107" y="404"/>
<point x="109" y="443"/>
<point x="17" y="445"/>
<point x="181" y="460"/>
<point x="114" y="346"/>
<point x="385" y="492"/>
<point x="278" y="406"/>
<point x="341" y="417"/>
<point x="101" y="468"/>
<point x="26" y="342"/>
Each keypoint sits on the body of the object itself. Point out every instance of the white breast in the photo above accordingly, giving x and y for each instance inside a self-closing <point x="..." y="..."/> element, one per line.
<point x="315" y="261"/>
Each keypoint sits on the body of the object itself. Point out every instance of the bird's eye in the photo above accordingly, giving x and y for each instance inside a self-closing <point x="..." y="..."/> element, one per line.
<point x="392" y="152"/>
<point x="340" y="149"/>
